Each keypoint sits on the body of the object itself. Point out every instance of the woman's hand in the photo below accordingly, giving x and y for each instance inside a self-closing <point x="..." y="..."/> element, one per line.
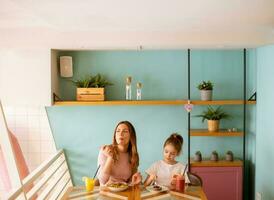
<point x="136" y="178"/>
<point x="108" y="151"/>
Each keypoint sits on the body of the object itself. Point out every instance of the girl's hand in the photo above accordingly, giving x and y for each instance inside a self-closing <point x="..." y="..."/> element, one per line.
<point x="108" y="151"/>
<point x="136" y="178"/>
<point x="173" y="179"/>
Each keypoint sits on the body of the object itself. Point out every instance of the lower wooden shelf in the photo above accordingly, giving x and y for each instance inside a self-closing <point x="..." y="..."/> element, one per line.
<point x="220" y="133"/>
<point x="220" y="163"/>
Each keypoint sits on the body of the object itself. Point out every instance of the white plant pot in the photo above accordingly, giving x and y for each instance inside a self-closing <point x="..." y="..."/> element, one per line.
<point x="206" y="95"/>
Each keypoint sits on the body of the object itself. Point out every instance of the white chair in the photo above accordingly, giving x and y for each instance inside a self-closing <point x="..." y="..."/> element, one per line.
<point x="49" y="181"/>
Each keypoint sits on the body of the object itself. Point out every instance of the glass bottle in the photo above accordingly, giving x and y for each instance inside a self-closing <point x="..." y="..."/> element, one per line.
<point x="128" y="88"/>
<point x="139" y="91"/>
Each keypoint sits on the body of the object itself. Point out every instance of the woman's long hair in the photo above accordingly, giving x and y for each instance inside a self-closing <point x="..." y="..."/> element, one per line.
<point x="132" y="146"/>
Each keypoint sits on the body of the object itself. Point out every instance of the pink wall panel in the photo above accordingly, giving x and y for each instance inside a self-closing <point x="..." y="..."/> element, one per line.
<point x="221" y="183"/>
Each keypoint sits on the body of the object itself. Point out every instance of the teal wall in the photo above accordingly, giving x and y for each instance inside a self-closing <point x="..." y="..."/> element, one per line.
<point x="265" y="133"/>
<point x="81" y="130"/>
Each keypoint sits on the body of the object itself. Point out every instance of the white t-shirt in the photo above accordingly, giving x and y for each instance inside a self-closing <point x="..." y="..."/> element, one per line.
<point x="164" y="171"/>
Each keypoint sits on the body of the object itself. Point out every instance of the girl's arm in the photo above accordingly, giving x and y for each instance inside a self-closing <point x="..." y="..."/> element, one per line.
<point x="149" y="180"/>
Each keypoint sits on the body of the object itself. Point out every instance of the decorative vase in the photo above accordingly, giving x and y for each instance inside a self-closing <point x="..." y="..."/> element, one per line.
<point x="214" y="156"/>
<point x="206" y="95"/>
<point x="198" y="156"/>
<point x="229" y="156"/>
<point x="213" y="125"/>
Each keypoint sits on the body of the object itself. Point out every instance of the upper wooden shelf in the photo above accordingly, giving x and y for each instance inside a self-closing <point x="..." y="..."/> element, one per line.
<point x="220" y="163"/>
<point x="151" y="102"/>
<point x="220" y="133"/>
<point x="130" y="102"/>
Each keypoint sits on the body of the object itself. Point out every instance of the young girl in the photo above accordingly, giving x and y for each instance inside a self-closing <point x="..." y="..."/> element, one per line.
<point x="119" y="161"/>
<point x="164" y="171"/>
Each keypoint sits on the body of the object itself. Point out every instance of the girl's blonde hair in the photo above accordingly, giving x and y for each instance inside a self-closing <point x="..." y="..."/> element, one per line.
<point x="132" y="146"/>
<point x="175" y="140"/>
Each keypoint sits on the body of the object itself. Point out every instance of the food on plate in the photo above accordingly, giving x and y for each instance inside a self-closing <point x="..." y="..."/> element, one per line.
<point x="117" y="185"/>
<point x="157" y="188"/>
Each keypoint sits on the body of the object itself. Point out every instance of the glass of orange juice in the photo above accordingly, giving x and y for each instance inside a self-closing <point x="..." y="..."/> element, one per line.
<point x="89" y="183"/>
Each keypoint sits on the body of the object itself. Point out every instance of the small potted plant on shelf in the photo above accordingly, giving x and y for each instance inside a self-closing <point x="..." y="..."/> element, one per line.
<point x="91" y="88"/>
<point x="229" y="156"/>
<point x="198" y="156"/>
<point x="213" y="117"/>
<point x="214" y="156"/>
<point x="206" y="90"/>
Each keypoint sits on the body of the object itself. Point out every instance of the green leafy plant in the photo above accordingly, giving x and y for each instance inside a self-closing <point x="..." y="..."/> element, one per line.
<point x="213" y="114"/>
<point x="205" y="85"/>
<point x="215" y="152"/>
<point x="229" y="152"/>
<point x="90" y="81"/>
<point x="198" y="153"/>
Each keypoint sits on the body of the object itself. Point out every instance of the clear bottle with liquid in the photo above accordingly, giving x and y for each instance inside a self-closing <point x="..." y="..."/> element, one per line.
<point x="128" y="88"/>
<point x="139" y="91"/>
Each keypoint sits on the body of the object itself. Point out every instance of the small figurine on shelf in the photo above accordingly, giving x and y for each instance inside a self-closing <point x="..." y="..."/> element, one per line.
<point x="139" y="91"/>
<point x="214" y="156"/>
<point x="128" y="88"/>
<point x="198" y="156"/>
<point x="188" y="106"/>
<point x="229" y="156"/>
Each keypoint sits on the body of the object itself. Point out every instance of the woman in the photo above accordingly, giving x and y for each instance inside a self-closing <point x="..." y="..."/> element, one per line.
<point x="119" y="161"/>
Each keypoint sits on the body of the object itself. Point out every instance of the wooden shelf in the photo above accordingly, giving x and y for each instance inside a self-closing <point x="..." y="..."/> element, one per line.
<point x="220" y="133"/>
<point x="132" y="102"/>
<point x="150" y="102"/>
<point x="221" y="102"/>
<point x="220" y="163"/>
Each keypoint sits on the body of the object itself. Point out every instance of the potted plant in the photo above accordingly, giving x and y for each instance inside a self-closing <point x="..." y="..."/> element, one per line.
<point x="214" y="156"/>
<point x="206" y="90"/>
<point x="91" y="88"/>
<point x="213" y="117"/>
<point x="198" y="156"/>
<point x="229" y="156"/>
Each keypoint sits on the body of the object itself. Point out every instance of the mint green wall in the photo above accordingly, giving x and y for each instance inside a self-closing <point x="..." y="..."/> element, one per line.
<point x="81" y="130"/>
<point x="160" y="72"/>
<point x="265" y="133"/>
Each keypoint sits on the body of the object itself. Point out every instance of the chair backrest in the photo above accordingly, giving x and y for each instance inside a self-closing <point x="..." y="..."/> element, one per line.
<point x="49" y="181"/>
<point x="194" y="179"/>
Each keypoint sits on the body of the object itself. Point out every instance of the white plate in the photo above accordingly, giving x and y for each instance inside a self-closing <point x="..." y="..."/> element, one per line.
<point x="117" y="189"/>
<point x="150" y="188"/>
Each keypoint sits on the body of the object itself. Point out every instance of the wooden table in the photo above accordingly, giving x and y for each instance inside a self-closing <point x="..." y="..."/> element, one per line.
<point x="133" y="193"/>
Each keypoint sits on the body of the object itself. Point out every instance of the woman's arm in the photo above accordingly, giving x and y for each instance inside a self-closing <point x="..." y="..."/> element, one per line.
<point x="136" y="178"/>
<point x="106" y="162"/>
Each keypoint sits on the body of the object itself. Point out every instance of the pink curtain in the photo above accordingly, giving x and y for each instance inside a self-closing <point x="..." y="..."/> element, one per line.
<point x="22" y="165"/>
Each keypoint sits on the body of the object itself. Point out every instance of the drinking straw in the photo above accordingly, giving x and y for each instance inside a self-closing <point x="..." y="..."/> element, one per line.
<point x="185" y="170"/>
<point x="96" y="171"/>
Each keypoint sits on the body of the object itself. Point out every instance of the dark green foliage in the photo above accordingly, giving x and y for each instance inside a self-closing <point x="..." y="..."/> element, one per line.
<point x="205" y="85"/>
<point x="213" y="114"/>
<point x="92" y="82"/>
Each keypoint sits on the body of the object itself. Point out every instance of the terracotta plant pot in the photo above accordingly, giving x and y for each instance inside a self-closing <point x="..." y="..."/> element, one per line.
<point x="206" y="95"/>
<point x="213" y="125"/>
